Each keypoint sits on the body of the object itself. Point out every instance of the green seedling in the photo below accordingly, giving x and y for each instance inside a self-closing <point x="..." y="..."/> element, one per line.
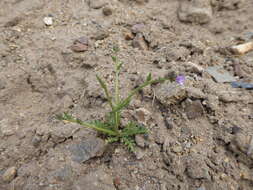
<point x="111" y="127"/>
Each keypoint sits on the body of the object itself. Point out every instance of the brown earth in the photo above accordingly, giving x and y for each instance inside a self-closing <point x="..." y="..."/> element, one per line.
<point x="200" y="134"/>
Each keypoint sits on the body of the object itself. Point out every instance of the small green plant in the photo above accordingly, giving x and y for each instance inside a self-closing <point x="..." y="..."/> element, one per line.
<point x="111" y="127"/>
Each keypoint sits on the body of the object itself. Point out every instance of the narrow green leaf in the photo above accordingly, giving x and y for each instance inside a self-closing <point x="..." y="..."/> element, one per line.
<point x="119" y="65"/>
<point x="101" y="82"/>
<point x="149" y="77"/>
<point x="129" y="143"/>
<point x="132" y="129"/>
<point x="115" y="49"/>
<point x="99" y="128"/>
<point x="112" y="139"/>
<point x="123" y="104"/>
<point x="104" y="86"/>
<point x="114" y="58"/>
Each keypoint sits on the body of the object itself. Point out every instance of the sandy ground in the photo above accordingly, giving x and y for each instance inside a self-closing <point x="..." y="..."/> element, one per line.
<point x="199" y="133"/>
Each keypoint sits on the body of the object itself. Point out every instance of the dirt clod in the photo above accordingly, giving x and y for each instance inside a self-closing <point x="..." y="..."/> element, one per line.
<point x="194" y="109"/>
<point x="196" y="11"/>
<point x="170" y="93"/>
<point x="139" y="42"/>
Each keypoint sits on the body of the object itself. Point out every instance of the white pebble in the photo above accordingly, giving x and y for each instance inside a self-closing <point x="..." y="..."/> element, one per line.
<point x="48" y="21"/>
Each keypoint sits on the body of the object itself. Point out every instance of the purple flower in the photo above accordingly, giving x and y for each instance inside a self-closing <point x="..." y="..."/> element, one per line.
<point x="180" y="79"/>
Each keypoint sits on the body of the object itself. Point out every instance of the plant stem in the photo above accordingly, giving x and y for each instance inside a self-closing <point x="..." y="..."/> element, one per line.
<point x="133" y="92"/>
<point x="108" y="96"/>
<point x="106" y="131"/>
<point x="117" y="97"/>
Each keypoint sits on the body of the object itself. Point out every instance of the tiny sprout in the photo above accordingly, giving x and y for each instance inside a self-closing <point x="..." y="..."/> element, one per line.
<point x="112" y="127"/>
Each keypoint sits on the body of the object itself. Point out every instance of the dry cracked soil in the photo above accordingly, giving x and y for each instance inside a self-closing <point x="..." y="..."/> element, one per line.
<point x="200" y="132"/>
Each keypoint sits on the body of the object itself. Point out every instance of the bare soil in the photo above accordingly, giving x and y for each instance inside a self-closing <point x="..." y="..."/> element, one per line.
<point x="199" y="141"/>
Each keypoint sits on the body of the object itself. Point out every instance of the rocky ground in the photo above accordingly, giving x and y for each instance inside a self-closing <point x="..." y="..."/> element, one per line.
<point x="200" y="133"/>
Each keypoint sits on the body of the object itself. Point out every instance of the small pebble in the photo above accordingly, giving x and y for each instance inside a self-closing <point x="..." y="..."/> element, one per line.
<point x="9" y="174"/>
<point x="194" y="109"/>
<point x="236" y="130"/>
<point x="137" y="28"/>
<point x="169" y="123"/>
<point x="36" y="141"/>
<point x="83" y="40"/>
<point x="107" y="11"/>
<point x="177" y="148"/>
<point x="129" y="36"/>
<point x="48" y="21"/>
<point x="139" y="42"/>
<point x="78" y="47"/>
<point x="101" y="34"/>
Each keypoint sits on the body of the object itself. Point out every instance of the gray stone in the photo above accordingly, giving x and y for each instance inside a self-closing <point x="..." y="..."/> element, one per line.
<point x="220" y="75"/>
<point x="194" y="109"/>
<point x="83" y="40"/>
<point x="137" y="28"/>
<point x="9" y="174"/>
<point x="235" y="130"/>
<point x="101" y="35"/>
<point x="197" y="11"/>
<point x="87" y="149"/>
<point x="36" y="140"/>
<point x="80" y="44"/>
<point x="95" y="180"/>
<point x="169" y="123"/>
<point x="170" y="93"/>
